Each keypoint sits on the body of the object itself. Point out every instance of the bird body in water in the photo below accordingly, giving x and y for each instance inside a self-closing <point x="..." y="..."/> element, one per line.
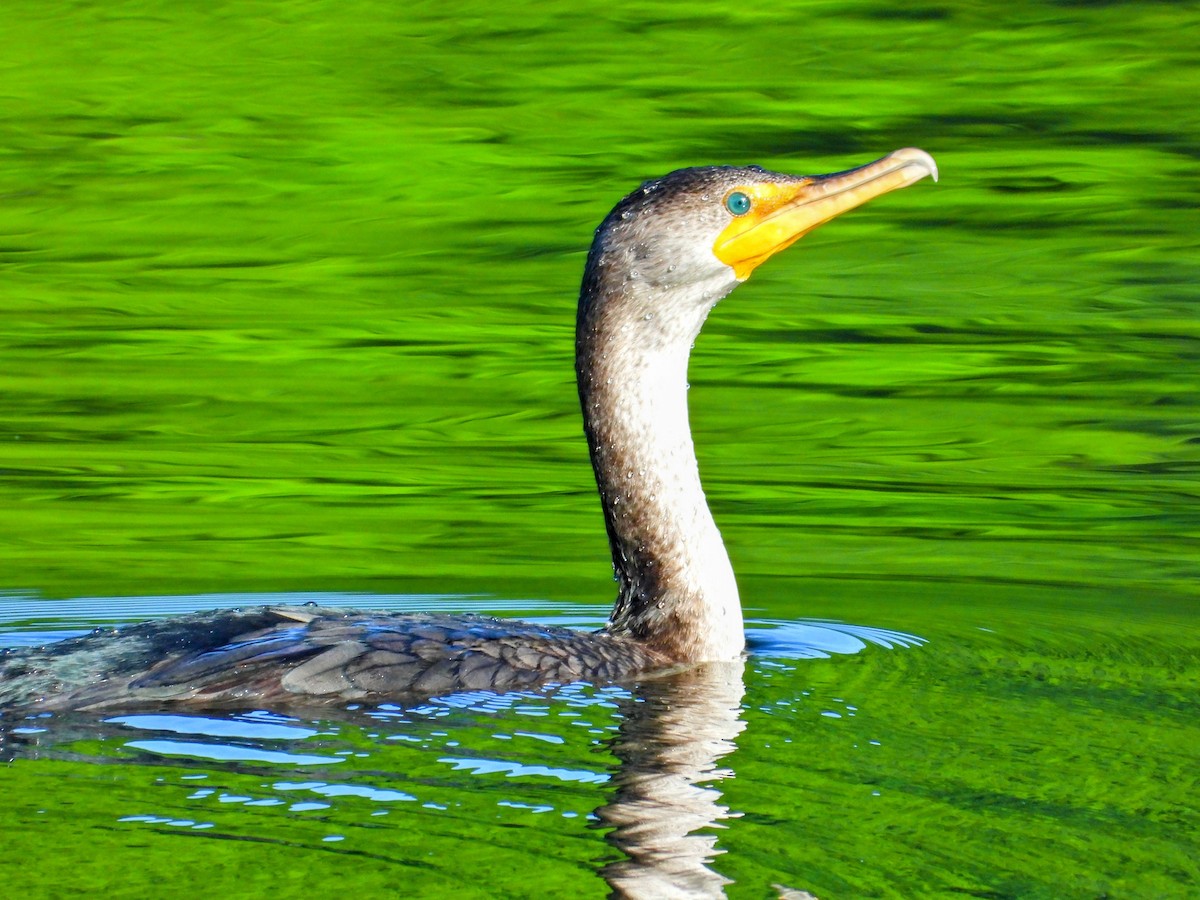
<point x="660" y="261"/>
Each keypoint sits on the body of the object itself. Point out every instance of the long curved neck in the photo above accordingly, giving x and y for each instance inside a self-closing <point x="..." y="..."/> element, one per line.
<point x="676" y="587"/>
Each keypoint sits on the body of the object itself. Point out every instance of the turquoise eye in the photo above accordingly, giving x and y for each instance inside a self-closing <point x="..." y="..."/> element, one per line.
<point x="737" y="203"/>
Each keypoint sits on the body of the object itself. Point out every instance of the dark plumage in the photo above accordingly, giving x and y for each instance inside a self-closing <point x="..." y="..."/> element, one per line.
<point x="307" y="655"/>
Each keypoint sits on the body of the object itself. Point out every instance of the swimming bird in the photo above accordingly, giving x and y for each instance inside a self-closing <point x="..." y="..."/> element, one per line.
<point x="659" y="262"/>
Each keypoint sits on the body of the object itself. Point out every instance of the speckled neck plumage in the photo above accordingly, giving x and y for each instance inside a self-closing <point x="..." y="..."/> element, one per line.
<point x="635" y="330"/>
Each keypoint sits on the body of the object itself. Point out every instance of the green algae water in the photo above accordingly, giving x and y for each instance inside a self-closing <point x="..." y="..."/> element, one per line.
<point x="287" y="314"/>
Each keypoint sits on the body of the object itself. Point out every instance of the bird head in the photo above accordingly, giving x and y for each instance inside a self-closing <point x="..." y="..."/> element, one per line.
<point x="719" y="223"/>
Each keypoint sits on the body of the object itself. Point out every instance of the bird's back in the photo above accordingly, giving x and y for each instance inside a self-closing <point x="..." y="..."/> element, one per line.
<point x="307" y="655"/>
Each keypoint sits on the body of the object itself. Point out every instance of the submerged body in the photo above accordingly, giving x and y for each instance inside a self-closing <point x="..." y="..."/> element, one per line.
<point x="660" y="261"/>
<point x="308" y="655"/>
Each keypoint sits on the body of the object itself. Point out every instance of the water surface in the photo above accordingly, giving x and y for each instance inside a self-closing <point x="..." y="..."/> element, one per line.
<point x="288" y="309"/>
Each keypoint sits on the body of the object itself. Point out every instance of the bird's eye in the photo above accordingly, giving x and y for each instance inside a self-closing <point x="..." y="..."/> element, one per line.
<point x="737" y="203"/>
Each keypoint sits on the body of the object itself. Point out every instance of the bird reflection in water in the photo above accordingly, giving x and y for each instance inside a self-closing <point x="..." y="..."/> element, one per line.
<point x="674" y="734"/>
<point x="671" y="737"/>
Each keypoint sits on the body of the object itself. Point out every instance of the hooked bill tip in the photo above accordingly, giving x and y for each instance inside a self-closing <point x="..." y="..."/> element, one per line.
<point x="917" y="157"/>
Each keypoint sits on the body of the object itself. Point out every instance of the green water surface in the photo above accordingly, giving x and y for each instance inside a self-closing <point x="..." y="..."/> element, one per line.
<point x="287" y="306"/>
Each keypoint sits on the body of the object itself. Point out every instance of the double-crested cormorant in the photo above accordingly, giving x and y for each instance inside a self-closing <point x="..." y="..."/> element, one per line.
<point x="659" y="262"/>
